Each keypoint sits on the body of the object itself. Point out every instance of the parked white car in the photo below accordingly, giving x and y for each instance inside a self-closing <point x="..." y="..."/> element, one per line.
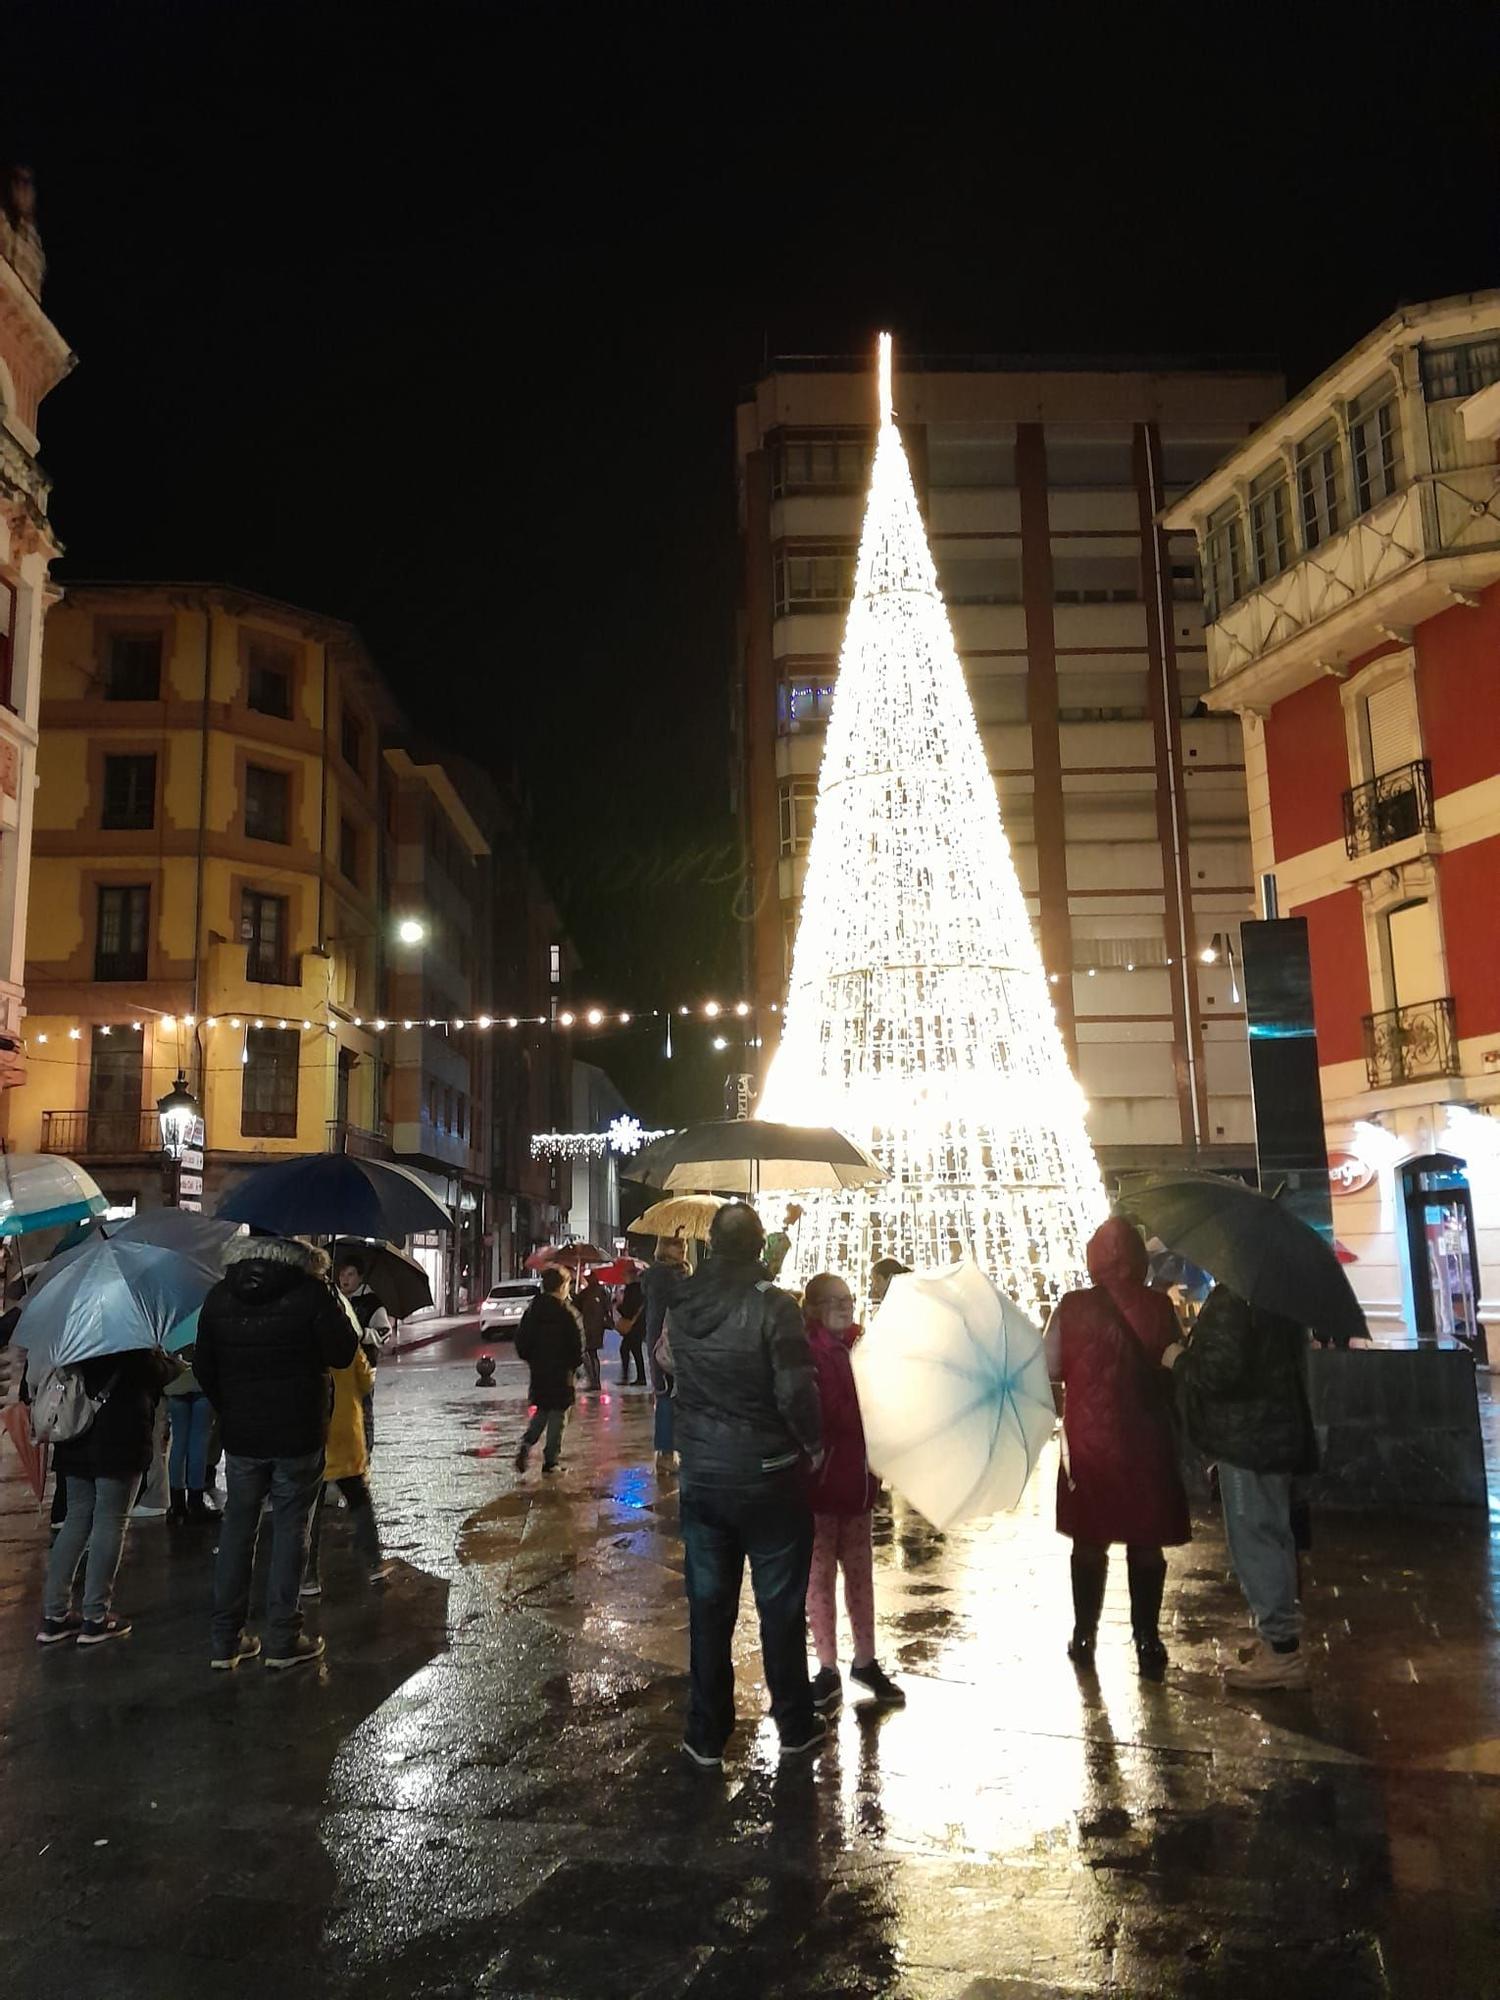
<point x="503" y="1309"/>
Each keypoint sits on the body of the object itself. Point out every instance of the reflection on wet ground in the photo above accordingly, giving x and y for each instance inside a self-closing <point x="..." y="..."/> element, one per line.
<point x="482" y="1792"/>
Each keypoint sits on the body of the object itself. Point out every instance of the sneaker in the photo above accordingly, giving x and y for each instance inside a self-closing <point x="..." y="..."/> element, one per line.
<point x="57" y="1631"/>
<point x="245" y="1648"/>
<point x="878" y="1681"/>
<point x="312" y="1588"/>
<point x="147" y="1513"/>
<point x="827" y="1688"/>
<point x="804" y="1745"/>
<point x="303" y="1650"/>
<point x="523" y="1457"/>
<point x="1264" y="1667"/>
<point x="1151" y="1659"/>
<point x="95" y="1631"/>
<point x="548" y="1470"/>
<point x="382" y="1572"/>
<point x="706" y="1760"/>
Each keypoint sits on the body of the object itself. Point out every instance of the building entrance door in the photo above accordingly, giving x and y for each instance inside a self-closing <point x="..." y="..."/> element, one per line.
<point x="1444" y="1259"/>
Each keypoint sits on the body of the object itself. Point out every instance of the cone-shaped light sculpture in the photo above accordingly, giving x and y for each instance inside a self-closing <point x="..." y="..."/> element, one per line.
<point x="918" y="1017"/>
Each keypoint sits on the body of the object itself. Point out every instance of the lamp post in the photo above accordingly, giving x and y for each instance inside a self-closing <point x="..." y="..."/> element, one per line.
<point x="181" y="1118"/>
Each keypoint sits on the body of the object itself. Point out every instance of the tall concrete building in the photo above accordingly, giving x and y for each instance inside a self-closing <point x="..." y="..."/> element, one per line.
<point x="34" y="358"/>
<point x="1080" y="625"/>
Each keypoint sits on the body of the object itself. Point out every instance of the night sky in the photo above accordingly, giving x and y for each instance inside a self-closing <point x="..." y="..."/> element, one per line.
<point x="434" y="319"/>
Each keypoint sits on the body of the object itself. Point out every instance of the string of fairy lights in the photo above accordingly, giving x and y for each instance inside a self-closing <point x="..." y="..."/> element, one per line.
<point x="598" y="1019"/>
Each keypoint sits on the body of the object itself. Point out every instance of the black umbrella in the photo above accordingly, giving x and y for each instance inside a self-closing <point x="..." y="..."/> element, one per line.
<point x="332" y="1194"/>
<point x="1252" y="1243"/>
<point x="750" y="1156"/>
<point x="398" y="1281"/>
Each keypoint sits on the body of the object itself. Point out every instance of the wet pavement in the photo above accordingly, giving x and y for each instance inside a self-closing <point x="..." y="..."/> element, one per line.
<point x="480" y="1792"/>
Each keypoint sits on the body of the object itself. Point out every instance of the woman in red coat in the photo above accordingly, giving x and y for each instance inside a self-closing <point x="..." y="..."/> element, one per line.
<point x="841" y="1492"/>
<point x="1119" y="1480"/>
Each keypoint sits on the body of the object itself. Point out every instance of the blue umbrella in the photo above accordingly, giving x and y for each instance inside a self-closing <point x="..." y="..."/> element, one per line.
<point x="332" y="1194"/>
<point x="122" y="1291"/>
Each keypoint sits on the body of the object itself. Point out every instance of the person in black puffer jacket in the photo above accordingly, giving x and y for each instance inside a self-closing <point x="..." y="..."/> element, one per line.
<point x="1243" y="1380"/>
<point x="550" y="1341"/>
<point x="269" y="1334"/>
<point x="748" y="1424"/>
<point x="101" y="1469"/>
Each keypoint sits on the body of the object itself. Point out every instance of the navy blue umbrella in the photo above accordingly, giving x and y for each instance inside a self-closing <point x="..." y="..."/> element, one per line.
<point x="332" y="1194"/>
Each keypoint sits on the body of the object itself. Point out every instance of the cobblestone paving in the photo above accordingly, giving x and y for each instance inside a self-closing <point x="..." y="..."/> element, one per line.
<point x="480" y="1793"/>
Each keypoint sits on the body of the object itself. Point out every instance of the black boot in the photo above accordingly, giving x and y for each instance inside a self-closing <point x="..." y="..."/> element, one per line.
<point x="179" y="1504"/>
<point x="198" y="1507"/>
<point x="1148" y="1579"/>
<point x="1090" y="1569"/>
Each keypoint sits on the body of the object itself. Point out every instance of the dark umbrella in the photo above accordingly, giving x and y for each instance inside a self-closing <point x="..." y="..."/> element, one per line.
<point x="573" y="1255"/>
<point x="1253" y="1244"/>
<point x="750" y="1156"/>
<point x="332" y="1194"/>
<point x="398" y="1281"/>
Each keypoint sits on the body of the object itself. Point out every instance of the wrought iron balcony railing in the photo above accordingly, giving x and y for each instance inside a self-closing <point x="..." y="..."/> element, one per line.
<point x="1408" y="1044"/>
<point x="93" y="1135"/>
<point x="1389" y="808"/>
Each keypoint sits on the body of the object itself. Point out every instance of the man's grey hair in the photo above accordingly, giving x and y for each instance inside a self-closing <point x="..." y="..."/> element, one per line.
<point x="737" y="1231"/>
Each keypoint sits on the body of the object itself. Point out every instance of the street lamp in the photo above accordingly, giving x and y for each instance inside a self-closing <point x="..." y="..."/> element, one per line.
<point x="179" y="1111"/>
<point x="410" y="931"/>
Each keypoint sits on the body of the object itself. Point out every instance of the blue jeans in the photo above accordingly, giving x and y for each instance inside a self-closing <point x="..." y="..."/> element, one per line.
<point x="192" y="1418"/>
<point x="662" y="1419"/>
<point x="96" y="1522"/>
<point x="770" y="1523"/>
<point x="1258" y="1526"/>
<point x="294" y="1485"/>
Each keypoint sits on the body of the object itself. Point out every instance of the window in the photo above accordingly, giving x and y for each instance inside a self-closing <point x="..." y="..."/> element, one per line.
<point x="349" y="851"/>
<point x="822" y="462"/>
<point x="1187" y="461"/>
<point x="554" y="964"/>
<point x="814" y="577"/>
<point x="1271" y="524"/>
<point x="263" y="932"/>
<point x="1091" y="579"/>
<point x="268" y="1106"/>
<point x="1074" y="460"/>
<point x="267" y="800"/>
<point x="1224" y="559"/>
<point x="985" y="579"/>
<point x="133" y="670"/>
<point x="798" y="799"/>
<point x="120" y="940"/>
<point x="1460" y="371"/>
<point x="129" y="792"/>
<point x="448" y="1124"/>
<point x="115" y="1079"/>
<point x="804" y="701"/>
<point x="961" y="456"/>
<point x="7" y="640"/>
<point x="352" y="739"/>
<point x="269" y="678"/>
<point x="1375" y="447"/>
<point x="1320" y="486"/>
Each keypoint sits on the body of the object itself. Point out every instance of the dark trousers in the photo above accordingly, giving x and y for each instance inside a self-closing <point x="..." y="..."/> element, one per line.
<point x="770" y="1523"/>
<point x="294" y="1485"/>
<point x="1146" y="1568"/>
<point x="362" y="1525"/>
<point x="552" y="1422"/>
<point x="591" y="1367"/>
<point x="633" y="1348"/>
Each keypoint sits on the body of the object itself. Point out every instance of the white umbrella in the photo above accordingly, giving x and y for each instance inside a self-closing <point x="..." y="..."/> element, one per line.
<point x="40" y="1190"/>
<point x="954" y="1394"/>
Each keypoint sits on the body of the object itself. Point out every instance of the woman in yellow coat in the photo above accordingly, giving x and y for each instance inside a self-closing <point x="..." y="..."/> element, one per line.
<point x="346" y="1465"/>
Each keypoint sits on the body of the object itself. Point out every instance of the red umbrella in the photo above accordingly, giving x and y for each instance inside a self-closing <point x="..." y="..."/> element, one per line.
<point x="620" y="1272"/>
<point x="573" y="1255"/>
<point x="16" y="1419"/>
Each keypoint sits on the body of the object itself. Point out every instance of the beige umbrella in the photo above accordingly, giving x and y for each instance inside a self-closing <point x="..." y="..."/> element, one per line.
<point x="679" y="1214"/>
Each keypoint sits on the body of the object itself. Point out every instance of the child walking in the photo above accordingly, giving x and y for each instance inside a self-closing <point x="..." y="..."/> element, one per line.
<point x="842" y="1492"/>
<point x="550" y="1340"/>
<point x="346" y="1465"/>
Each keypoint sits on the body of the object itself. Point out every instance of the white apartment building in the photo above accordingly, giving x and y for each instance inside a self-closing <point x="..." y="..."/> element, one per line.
<point x="1080" y="625"/>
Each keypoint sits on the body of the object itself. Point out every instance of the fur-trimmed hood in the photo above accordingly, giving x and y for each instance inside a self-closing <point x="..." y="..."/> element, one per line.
<point x="263" y="1267"/>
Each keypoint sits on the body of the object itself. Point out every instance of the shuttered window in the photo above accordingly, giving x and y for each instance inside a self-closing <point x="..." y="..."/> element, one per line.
<point x="1392" y="718"/>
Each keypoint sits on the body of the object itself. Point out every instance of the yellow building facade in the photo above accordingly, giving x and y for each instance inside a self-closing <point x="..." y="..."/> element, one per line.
<point x="207" y="883"/>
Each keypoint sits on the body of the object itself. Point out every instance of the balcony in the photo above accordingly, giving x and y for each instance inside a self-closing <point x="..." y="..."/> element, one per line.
<point x="267" y="965"/>
<point x="359" y="1143"/>
<point x="1389" y="808"/>
<point x="1411" y="1044"/>
<point x="98" y="1135"/>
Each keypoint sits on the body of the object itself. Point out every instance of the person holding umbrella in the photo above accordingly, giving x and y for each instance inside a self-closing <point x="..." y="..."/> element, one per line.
<point x="660" y="1286"/>
<point x="1118" y="1480"/>
<point x="374" y="1332"/>
<point x="1244" y="1382"/>
<point x="594" y="1309"/>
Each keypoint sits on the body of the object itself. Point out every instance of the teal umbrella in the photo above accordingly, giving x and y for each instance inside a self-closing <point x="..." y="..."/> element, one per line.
<point x="128" y="1290"/>
<point x="1252" y="1243"/>
<point x="40" y="1190"/>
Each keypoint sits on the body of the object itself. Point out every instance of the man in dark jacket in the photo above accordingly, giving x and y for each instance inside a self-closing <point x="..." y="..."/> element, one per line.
<point x="269" y="1334"/>
<point x="1244" y="1383"/>
<point x="593" y="1308"/>
<point x="550" y="1341"/>
<point x="100" y="1470"/>
<point x="747" y="1423"/>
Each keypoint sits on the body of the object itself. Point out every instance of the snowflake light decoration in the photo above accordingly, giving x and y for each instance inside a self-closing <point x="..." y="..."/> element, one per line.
<point x="625" y="1134"/>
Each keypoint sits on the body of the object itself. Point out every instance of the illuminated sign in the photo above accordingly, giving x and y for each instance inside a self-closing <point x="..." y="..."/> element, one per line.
<point x="1348" y="1173"/>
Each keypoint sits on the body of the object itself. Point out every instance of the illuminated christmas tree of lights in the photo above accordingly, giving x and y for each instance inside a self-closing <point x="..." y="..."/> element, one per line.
<point x="918" y="1017"/>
